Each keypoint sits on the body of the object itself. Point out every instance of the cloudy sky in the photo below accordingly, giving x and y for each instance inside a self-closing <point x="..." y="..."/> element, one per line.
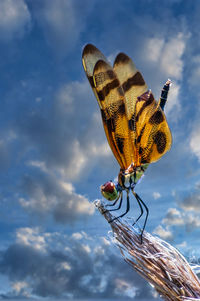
<point x="54" y="155"/>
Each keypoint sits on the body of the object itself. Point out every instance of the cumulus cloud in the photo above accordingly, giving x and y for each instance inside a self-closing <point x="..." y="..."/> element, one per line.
<point x="62" y="22"/>
<point x="167" y="55"/>
<point x="173" y="217"/>
<point x="165" y="234"/>
<point x="156" y="195"/>
<point x="15" y="19"/>
<point x="45" y="194"/>
<point x="171" y="59"/>
<point x="193" y="79"/>
<point x="20" y="288"/>
<point x="70" y="267"/>
<point x="192" y="202"/>
<point x="68" y="136"/>
<point x="195" y="141"/>
<point x="177" y="218"/>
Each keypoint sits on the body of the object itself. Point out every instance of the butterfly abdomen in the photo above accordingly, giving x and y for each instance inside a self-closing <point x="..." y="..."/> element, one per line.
<point x="164" y="94"/>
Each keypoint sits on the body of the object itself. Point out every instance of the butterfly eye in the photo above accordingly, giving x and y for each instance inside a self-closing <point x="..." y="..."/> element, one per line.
<point x="109" y="191"/>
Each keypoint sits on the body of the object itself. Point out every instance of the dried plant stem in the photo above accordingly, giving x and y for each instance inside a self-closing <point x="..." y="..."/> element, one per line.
<point x="156" y="260"/>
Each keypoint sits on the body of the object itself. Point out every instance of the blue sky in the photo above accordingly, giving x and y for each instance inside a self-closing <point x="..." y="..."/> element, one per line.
<point x="54" y="155"/>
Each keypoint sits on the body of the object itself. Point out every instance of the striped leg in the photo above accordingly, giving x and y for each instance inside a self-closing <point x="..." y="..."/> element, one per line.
<point x="127" y="208"/>
<point x="120" y="203"/>
<point x="139" y="200"/>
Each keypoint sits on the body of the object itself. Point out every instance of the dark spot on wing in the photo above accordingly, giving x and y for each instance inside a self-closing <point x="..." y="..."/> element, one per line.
<point x="160" y="141"/>
<point x="121" y="109"/>
<point x="89" y="49"/>
<point x="109" y="122"/>
<point x="156" y="118"/>
<point x="106" y="89"/>
<point x="131" y="123"/>
<point x="90" y="78"/>
<point x="121" y="58"/>
<point x="140" y="135"/>
<point x="135" y="80"/>
<point x="140" y="150"/>
<point x="120" y="144"/>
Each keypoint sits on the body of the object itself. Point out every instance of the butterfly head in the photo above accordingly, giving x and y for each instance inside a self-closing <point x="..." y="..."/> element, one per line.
<point x="109" y="191"/>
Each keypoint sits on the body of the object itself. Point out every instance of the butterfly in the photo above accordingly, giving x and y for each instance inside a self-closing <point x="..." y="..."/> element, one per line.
<point x="134" y="122"/>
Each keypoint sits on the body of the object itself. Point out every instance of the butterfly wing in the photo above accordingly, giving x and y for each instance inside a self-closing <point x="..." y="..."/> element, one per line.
<point x="149" y="131"/>
<point x="152" y="131"/>
<point x="134" y="123"/>
<point x="133" y="86"/>
<point x="111" y="100"/>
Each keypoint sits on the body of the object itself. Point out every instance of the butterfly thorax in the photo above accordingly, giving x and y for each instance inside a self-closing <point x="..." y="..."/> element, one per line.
<point x="128" y="178"/>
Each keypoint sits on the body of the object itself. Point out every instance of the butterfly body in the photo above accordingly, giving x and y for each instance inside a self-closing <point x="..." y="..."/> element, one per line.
<point x="128" y="178"/>
<point x="134" y="122"/>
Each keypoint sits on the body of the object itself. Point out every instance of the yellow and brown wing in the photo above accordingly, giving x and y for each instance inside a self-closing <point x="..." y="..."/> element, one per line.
<point x="133" y="86"/>
<point x="153" y="136"/>
<point x="112" y="103"/>
<point x="134" y="123"/>
<point x="149" y="131"/>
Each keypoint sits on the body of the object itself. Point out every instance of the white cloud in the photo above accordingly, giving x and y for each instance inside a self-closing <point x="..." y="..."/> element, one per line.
<point x="77" y="267"/>
<point x="195" y="141"/>
<point x="15" y="19"/>
<point x="39" y="164"/>
<point x="31" y="237"/>
<point x="154" y="49"/>
<point x="156" y="195"/>
<point x="86" y="248"/>
<point x="171" y="58"/>
<point x="52" y="196"/>
<point x="163" y="233"/>
<point x="167" y="54"/>
<point x="173" y="101"/>
<point x="173" y="217"/>
<point x="126" y="287"/>
<point x="58" y="21"/>
<point x="167" y="57"/>
<point x="194" y="77"/>
<point x="20" y="288"/>
<point x="62" y="22"/>
<point x="77" y="236"/>
<point x="191" y="203"/>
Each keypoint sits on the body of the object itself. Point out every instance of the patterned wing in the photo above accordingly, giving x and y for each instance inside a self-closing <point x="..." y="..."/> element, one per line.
<point x="133" y="86"/>
<point x="111" y="99"/>
<point x="152" y="131"/>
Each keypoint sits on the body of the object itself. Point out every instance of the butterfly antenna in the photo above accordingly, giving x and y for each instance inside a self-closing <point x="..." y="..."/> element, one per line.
<point x="140" y="201"/>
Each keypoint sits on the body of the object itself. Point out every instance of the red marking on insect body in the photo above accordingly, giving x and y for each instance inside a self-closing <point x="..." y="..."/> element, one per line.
<point x="108" y="187"/>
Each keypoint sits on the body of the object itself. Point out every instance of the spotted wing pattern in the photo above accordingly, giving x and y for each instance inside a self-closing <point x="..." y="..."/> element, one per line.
<point x="111" y="99"/>
<point x="134" y="123"/>
<point x="152" y="131"/>
<point x="133" y="86"/>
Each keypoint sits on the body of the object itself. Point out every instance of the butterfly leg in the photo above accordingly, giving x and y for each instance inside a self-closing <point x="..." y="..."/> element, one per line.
<point x="141" y="209"/>
<point x="115" y="202"/>
<point x="120" y="203"/>
<point x="127" y="208"/>
<point x="139" y="200"/>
